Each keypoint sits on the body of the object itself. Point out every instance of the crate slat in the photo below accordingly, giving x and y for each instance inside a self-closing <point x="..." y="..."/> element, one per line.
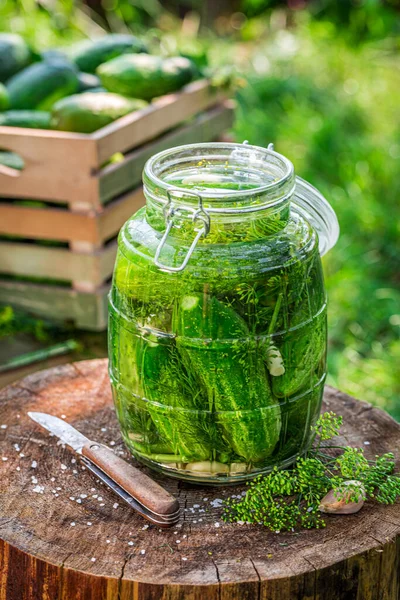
<point x="86" y="311"/>
<point x="52" y="223"/>
<point x="32" y="260"/>
<point x="56" y="164"/>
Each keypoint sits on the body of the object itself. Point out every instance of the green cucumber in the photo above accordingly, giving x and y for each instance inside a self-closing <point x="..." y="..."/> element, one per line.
<point x="4" y="99"/>
<point x="174" y="403"/>
<point x="145" y="76"/>
<point x="42" y="84"/>
<point x="12" y="160"/>
<point x="88" y="82"/>
<point x="32" y="119"/>
<point x="215" y="342"/>
<point x="88" y="55"/>
<point x="88" y="112"/>
<point x="15" y="55"/>
<point x="302" y="348"/>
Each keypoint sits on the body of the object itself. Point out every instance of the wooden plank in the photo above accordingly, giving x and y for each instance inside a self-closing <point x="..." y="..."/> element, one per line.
<point x="114" y="215"/>
<point x="87" y="311"/>
<point x="116" y="178"/>
<point x="58" y="165"/>
<point x="63" y="225"/>
<point x="163" y="114"/>
<point x="48" y="223"/>
<point x="23" y="259"/>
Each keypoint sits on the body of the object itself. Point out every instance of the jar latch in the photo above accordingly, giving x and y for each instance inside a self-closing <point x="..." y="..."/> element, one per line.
<point x="170" y="211"/>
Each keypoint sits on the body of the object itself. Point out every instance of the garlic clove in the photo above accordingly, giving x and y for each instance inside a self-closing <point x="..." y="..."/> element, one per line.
<point x="337" y="502"/>
<point x="275" y="364"/>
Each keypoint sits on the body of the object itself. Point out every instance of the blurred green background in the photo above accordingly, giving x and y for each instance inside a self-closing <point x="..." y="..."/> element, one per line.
<point x="322" y="84"/>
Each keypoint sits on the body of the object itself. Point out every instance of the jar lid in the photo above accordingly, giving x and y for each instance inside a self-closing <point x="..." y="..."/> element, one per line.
<point x="318" y="212"/>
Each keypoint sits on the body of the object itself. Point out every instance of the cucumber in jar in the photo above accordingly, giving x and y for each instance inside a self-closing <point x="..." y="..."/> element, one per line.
<point x="215" y="344"/>
<point x="174" y="401"/>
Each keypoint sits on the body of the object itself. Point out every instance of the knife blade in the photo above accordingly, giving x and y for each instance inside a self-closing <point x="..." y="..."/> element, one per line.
<point x="141" y="492"/>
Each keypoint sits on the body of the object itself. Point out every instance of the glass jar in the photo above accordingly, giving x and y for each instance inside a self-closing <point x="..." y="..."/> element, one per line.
<point x="217" y="327"/>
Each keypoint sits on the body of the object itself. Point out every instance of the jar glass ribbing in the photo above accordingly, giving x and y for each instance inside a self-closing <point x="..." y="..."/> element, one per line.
<point x="217" y="328"/>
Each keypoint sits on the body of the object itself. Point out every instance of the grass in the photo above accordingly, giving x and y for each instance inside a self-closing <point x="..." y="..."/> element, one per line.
<point x="328" y="100"/>
<point x="334" y="112"/>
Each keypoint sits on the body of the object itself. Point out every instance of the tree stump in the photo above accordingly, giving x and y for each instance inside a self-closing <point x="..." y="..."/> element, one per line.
<point x="66" y="537"/>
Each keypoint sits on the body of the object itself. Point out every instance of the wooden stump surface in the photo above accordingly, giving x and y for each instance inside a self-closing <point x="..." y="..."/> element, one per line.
<point x="65" y="537"/>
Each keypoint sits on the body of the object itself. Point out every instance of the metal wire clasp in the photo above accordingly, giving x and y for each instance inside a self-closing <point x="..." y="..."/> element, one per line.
<point x="170" y="211"/>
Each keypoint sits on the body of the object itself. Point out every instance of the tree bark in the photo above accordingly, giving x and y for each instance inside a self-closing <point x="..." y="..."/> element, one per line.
<point x="63" y="537"/>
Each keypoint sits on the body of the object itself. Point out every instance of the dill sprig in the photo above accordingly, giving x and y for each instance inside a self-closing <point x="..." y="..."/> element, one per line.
<point x="290" y="499"/>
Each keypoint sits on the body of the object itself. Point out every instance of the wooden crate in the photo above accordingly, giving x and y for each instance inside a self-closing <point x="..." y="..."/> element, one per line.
<point x="87" y="223"/>
<point x="64" y="167"/>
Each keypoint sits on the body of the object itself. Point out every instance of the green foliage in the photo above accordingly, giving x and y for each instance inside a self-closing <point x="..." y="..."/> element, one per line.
<point x="333" y="111"/>
<point x="285" y="500"/>
<point x="12" y="322"/>
<point x="327" y="426"/>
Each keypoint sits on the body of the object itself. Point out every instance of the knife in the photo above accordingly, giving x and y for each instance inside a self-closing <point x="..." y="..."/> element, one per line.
<point x="141" y="492"/>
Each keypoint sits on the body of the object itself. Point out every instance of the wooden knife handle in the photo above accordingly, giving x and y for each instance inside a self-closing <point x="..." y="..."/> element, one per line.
<point x="132" y="480"/>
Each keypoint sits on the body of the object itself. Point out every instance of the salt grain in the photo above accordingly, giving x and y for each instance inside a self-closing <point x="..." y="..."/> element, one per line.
<point x="94" y="496"/>
<point x="18" y="468"/>
<point x="3" y="426"/>
<point x="89" y="523"/>
<point x="102" y="504"/>
<point x="104" y="429"/>
<point x="72" y="524"/>
<point x="143" y="552"/>
<point x="145" y="527"/>
<point x="93" y="559"/>
<point x="63" y="467"/>
<point x="99" y="499"/>
<point x="34" y="480"/>
<point x="72" y="498"/>
<point x="108" y="542"/>
<point x="73" y="460"/>
<point x="115" y="505"/>
<point x="367" y="443"/>
<point x="21" y="454"/>
<point x="4" y="458"/>
<point x="39" y="489"/>
<point x="63" y="416"/>
<point x="53" y="479"/>
<point x="184" y="558"/>
<point x="112" y="443"/>
<point x="196" y="505"/>
<point x="216" y="524"/>
<point x="83" y="495"/>
<point x="216" y="503"/>
<point x="130" y="543"/>
<point x="16" y="446"/>
<point x="79" y="501"/>
<point x="178" y="541"/>
<point x="34" y="464"/>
